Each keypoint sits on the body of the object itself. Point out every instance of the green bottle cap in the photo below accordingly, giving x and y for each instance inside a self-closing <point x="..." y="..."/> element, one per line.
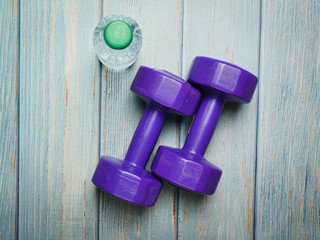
<point x="118" y="34"/>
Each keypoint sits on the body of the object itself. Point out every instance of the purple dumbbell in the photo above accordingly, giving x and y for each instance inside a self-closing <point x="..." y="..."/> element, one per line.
<point x="127" y="179"/>
<point x="219" y="82"/>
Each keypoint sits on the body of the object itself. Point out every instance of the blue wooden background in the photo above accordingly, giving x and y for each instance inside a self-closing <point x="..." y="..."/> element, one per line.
<point x="60" y="110"/>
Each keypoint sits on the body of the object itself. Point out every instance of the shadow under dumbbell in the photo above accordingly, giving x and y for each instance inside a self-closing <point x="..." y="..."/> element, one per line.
<point x="232" y="106"/>
<point x="140" y="105"/>
<point x="233" y="109"/>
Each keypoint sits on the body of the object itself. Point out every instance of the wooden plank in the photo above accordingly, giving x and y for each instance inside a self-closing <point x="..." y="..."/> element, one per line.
<point x="288" y="167"/>
<point x="9" y="40"/>
<point x="59" y="124"/>
<point x="121" y="111"/>
<point x="226" y="30"/>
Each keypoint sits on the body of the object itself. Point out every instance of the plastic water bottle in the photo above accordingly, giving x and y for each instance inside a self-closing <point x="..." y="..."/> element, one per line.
<point x="117" y="40"/>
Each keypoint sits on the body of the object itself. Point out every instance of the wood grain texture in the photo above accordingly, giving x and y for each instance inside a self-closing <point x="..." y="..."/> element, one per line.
<point x="59" y="109"/>
<point x="288" y="168"/>
<point x="121" y="111"/>
<point x="8" y="117"/>
<point x="229" y="31"/>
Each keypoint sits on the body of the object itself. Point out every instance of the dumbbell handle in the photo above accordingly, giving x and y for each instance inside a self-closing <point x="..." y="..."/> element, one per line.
<point x="145" y="136"/>
<point x="203" y="125"/>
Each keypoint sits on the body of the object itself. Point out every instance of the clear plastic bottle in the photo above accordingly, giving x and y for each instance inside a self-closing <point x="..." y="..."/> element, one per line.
<point x="117" y="40"/>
